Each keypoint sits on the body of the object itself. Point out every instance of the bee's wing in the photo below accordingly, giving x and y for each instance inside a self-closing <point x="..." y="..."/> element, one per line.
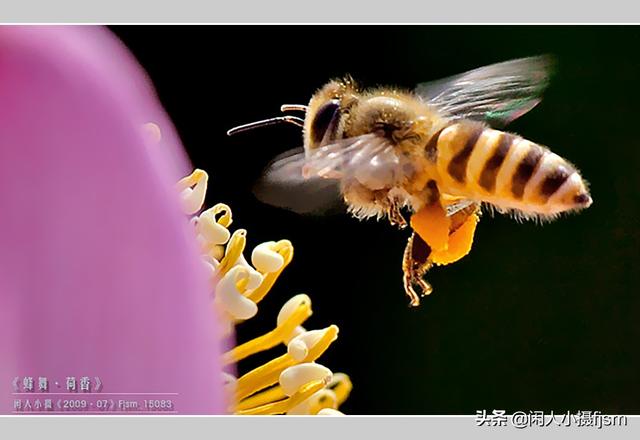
<point x="282" y="184"/>
<point x="310" y="183"/>
<point x="497" y="94"/>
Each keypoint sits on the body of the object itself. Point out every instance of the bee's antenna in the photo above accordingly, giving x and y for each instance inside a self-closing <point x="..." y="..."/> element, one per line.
<point x="293" y="107"/>
<point x="291" y="119"/>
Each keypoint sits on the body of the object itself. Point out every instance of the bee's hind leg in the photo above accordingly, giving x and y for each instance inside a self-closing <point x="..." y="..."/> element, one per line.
<point x="439" y="238"/>
<point x="415" y="264"/>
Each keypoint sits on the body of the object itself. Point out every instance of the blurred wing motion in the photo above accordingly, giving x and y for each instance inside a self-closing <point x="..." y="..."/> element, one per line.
<point x="310" y="183"/>
<point x="283" y="185"/>
<point x="497" y="94"/>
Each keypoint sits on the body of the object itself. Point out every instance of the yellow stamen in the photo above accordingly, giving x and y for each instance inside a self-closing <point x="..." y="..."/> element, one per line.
<point x="236" y="245"/>
<point x="270" y="395"/>
<point x="193" y="190"/>
<point x="193" y="179"/>
<point x="226" y="218"/>
<point x="239" y="287"/>
<point x="262" y="377"/>
<point x="242" y="284"/>
<point x="269" y="373"/>
<point x="341" y="385"/>
<point x="271" y="339"/>
<point x="323" y="399"/>
<point x="284" y="248"/>
<point x="231" y="299"/>
<point x="316" y="351"/>
<point x="283" y="406"/>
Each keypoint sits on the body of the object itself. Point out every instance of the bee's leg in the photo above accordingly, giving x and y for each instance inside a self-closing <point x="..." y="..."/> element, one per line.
<point x="387" y="204"/>
<point x="449" y="239"/>
<point x="415" y="264"/>
<point x="395" y="214"/>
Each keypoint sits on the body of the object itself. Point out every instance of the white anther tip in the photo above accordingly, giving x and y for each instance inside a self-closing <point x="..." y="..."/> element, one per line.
<point x="265" y="259"/>
<point x="255" y="277"/>
<point x="212" y="231"/>
<point x="236" y="304"/>
<point x="297" y="350"/>
<point x="329" y="412"/>
<point x="290" y="306"/>
<point x="293" y="378"/>
<point x="193" y="195"/>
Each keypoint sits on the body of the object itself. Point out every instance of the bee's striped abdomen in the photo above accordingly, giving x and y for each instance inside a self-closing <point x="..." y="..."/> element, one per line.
<point x="482" y="164"/>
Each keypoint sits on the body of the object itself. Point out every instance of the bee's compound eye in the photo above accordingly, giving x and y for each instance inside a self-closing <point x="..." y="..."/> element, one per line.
<point x="324" y="120"/>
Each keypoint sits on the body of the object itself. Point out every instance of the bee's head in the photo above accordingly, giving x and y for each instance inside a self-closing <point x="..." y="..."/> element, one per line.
<point x="327" y="113"/>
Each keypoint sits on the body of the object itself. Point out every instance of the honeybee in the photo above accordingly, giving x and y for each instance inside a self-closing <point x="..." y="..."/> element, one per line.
<point x="436" y="151"/>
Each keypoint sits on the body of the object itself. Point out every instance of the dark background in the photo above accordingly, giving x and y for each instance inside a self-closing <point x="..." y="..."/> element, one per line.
<point x="536" y="317"/>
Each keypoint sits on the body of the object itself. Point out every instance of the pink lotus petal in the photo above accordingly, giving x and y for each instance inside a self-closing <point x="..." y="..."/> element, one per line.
<point x="99" y="272"/>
